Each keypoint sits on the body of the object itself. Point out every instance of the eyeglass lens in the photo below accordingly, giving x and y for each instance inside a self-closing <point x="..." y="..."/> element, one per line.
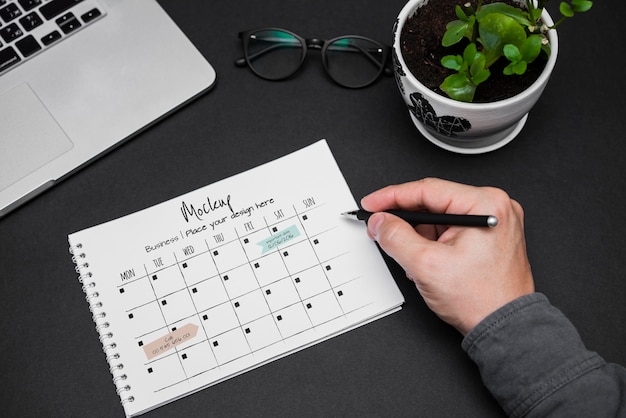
<point x="353" y="62"/>
<point x="274" y="54"/>
<point x="350" y="61"/>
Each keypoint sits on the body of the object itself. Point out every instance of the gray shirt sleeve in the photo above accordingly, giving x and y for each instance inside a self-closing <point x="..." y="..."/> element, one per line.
<point x="533" y="361"/>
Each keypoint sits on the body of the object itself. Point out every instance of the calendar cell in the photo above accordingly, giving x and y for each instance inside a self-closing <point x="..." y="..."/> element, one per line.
<point x="197" y="268"/>
<point x="250" y="306"/>
<point x="208" y="293"/>
<point x="219" y="319"/>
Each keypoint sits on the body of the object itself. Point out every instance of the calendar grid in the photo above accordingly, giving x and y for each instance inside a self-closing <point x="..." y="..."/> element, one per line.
<point x="236" y="340"/>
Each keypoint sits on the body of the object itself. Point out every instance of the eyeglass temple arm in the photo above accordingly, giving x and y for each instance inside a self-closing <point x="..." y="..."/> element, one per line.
<point x="366" y="52"/>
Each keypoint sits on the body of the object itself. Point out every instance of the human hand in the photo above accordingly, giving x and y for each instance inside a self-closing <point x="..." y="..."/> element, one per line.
<point x="463" y="273"/>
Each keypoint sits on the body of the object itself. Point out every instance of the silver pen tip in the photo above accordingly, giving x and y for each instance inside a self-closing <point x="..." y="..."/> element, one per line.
<point x="492" y="221"/>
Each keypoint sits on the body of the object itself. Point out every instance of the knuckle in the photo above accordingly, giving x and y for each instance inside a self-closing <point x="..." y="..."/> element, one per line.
<point x="503" y="205"/>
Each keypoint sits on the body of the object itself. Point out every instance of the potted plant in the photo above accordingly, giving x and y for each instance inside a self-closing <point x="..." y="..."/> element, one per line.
<point x="484" y="42"/>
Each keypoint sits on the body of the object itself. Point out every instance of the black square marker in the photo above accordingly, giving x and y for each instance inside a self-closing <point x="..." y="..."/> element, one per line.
<point x="316" y="241"/>
<point x="184" y="265"/>
<point x="163" y="302"/>
<point x="304" y="218"/>
<point x="154" y="277"/>
<point x="131" y="316"/>
<point x="194" y="290"/>
<point x="279" y="318"/>
<point x="236" y="304"/>
<point x="297" y="280"/>
<point x="150" y="370"/>
<point x="205" y="317"/>
<point x="286" y="253"/>
<point x="140" y="343"/>
<point x="122" y="290"/>
<point x="246" y="240"/>
<point x="215" y="344"/>
<point x="184" y="356"/>
<point x="216" y="252"/>
<point x="256" y="265"/>
<point x="268" y="292"/>
<point x="247" y="330"/>
<point x="225" y="277"/>
<point x="328" y="268"/>
<point x="309" y="306"/>
<point x="340" y="293"/>
<point x="274" y="229"/>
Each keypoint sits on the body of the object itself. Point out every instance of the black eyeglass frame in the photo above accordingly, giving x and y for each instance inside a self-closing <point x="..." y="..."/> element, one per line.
<point x="314" y="43"/>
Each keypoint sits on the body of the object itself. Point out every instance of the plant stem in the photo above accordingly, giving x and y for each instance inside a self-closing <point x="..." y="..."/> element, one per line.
<point x="561" y="20"/>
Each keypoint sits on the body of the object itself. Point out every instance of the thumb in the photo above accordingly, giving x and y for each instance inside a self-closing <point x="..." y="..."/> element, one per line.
<point x="396" y="237"/>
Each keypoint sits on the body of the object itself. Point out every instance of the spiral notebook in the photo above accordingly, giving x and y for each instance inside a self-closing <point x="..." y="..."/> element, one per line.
<point x="208" y="285"/>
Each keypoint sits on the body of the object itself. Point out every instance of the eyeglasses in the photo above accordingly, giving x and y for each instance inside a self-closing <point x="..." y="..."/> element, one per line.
<point x="351" y="61"/>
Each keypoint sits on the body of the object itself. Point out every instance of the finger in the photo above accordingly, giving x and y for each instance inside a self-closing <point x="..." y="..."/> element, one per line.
<point x="397" y="238"/>
<point x="431" y="194"/>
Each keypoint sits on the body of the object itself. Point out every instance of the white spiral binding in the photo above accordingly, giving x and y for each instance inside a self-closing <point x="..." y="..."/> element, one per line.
<point x="85" y="277"/>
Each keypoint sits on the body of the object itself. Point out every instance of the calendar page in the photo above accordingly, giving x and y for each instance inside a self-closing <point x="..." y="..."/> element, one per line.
<point x="229" y="277"/>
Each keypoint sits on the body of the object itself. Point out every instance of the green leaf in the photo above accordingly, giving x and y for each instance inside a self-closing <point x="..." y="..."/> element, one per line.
<point x="458" y="87"/>
<point x="497" y="30"/>
<point x="581" y="5"/>
<point x="452" y="62"/>
<point x="454" y="32"/>
<point x="460" y="13"/>
<point x="512" y="53"/>
<point x="477" y="66"/>
<point x="470" y="53"/>
<point x="469" y="32"/>
<point x="515" y="13"/>
<point x="520" y="67"/>
<point x="566" y="10"/>
<point x="536" y="15"/>
<point x="481" y="76"/>
<point x="531" y="48"/>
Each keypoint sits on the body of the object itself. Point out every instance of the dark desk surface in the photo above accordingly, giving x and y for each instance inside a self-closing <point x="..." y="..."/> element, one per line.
<point x="566" y="168"/>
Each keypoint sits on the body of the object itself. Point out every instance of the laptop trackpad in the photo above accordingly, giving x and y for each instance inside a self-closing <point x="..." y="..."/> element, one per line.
<point x="29" y="135"/>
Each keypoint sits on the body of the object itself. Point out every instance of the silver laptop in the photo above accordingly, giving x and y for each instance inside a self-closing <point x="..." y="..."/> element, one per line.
<point x="77" y="77"/>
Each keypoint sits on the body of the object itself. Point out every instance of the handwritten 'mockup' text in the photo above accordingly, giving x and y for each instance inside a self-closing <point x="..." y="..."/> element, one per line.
<point x="199" y="211"/>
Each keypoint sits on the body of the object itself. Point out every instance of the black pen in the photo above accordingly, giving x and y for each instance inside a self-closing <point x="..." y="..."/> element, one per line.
<point x="427" y="218"/>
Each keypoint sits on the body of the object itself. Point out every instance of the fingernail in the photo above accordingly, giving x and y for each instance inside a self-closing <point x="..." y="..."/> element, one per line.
<point x="373" y="225"/>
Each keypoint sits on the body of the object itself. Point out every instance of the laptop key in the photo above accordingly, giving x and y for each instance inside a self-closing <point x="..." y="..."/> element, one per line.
<point x="11" y="32"/>
<point x="68" y="23"/>
<point x="51" y="37"/>
<point x="31" y="21"/>
<point x="90" y="15"/>
<point x="29" y="4"/>
<point x="28" y="46"/>
<point x="56" y="7"/>
<point x="10" y="12"/>
<point x="8" y="57"/>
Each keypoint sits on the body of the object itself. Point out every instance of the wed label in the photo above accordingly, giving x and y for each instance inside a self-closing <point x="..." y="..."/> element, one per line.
<point x="171" y="340"/>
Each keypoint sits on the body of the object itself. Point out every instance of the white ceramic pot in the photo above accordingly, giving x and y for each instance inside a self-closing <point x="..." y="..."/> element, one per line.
<point x="468" y="128"/>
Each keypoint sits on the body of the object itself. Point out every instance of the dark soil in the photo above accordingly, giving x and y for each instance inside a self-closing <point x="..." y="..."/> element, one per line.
<point x="422" y="51"/>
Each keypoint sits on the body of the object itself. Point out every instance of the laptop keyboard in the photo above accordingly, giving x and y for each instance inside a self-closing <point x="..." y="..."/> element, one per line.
<point x="28" y="27"/>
